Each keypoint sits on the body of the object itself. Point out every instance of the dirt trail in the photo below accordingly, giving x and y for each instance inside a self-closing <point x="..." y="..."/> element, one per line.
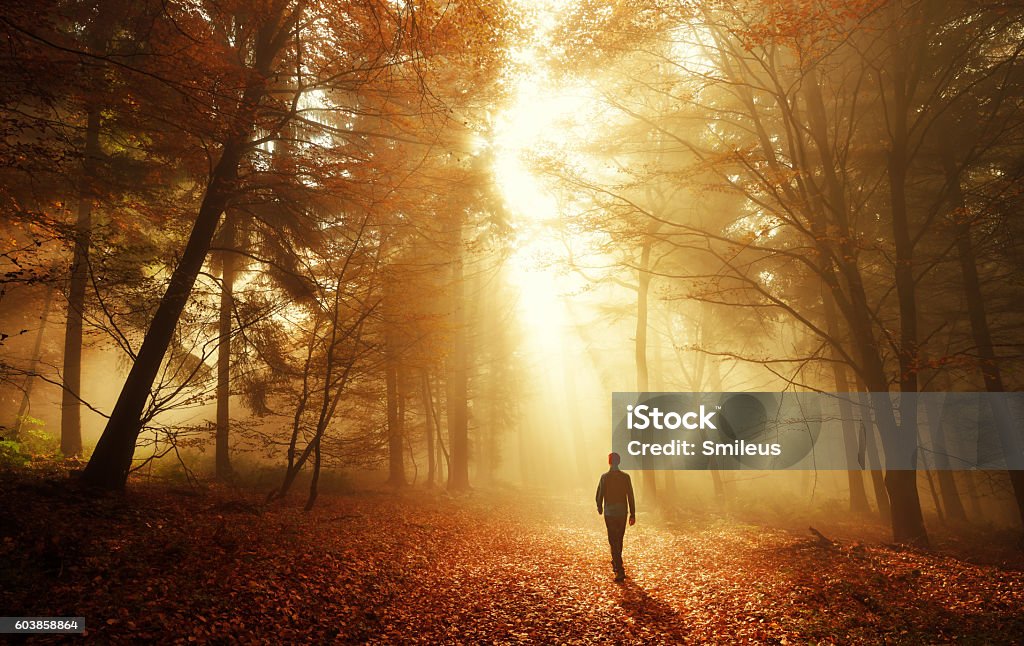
<point x="546" y="577"/>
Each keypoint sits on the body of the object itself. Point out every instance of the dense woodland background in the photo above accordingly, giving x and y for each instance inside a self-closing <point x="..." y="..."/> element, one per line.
<point x="296" y="245"/>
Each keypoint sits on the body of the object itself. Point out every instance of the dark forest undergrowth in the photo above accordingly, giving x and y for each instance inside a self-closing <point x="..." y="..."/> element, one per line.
<point x="180" y="565"/>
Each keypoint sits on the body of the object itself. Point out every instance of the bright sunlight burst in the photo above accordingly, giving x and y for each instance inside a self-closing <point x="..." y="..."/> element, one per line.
<point x="544" y="116"/>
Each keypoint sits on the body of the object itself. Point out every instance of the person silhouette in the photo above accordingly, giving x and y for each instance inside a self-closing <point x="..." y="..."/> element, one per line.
<point x="614" y="492"/>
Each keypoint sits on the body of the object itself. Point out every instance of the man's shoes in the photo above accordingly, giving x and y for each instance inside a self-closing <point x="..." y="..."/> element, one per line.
<point x="620" y="577"/>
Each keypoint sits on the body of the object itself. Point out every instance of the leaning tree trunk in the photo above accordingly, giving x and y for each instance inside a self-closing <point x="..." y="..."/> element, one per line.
<point x="111" y="461"/>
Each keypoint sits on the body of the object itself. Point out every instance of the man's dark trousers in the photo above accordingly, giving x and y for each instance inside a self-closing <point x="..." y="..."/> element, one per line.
<point x="616" y="530"/>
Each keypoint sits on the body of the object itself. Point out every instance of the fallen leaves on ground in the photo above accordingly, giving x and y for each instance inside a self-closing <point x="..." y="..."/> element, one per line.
<point x="175" y="566"/>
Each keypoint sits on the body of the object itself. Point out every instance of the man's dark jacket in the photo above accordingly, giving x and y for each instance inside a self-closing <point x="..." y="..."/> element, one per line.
<point x="614" y="492"/>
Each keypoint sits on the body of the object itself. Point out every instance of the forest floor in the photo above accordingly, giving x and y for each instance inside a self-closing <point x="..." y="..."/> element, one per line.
<point x="167" y="565"/>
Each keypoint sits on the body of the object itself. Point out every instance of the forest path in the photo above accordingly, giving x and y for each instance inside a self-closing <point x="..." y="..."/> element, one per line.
<point x="539" y="571"/>
<point x="170" y="566"/>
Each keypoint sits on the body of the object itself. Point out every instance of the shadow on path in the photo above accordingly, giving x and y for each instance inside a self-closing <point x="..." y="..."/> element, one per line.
<point x="648" y="611"/>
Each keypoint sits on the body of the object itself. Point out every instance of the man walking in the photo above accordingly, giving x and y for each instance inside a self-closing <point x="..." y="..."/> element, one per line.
<point x="614" y="492"/>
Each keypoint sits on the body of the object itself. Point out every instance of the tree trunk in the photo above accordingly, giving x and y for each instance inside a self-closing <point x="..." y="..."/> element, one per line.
<point x="314" y="482"/>
<point x="670" y="490"/>
<point x="572" y="410"/>
<point x="489" y="437"/>
<point x="717" y="481"/>
<point x="71" y="408"/>
<point x="955" y="511"/>
<point x="904" y="503"/>
<point x="935" y="495"/>
<point x="908" y="523"/>
<point x="456" y="385"/>
<point x="396" y="455"/>
<point x="855" y="477"/>
<point x="650" y="485"/>
<point x="444" y="466"/>
<point x="972" y="495"/>
<point x="523" y="446"/>
<point x="428" y="427"/>
<point x="227" y="306"/>
<point x="954" y="508"/>
<point x="37" y="350"/>
<point x="873" y="459"/>
<point x="905" y="507"/>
